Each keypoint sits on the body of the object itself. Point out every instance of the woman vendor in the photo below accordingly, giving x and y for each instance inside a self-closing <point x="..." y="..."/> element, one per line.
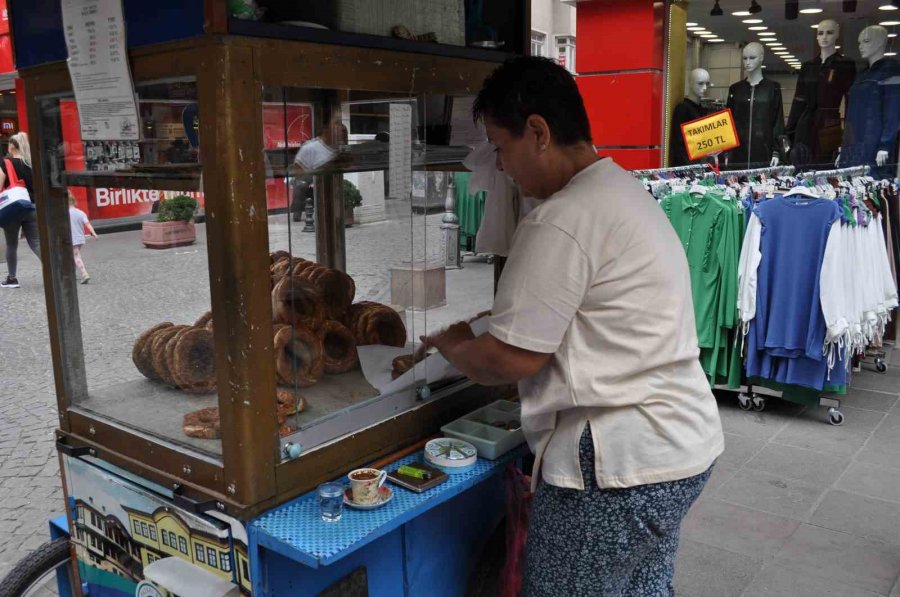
<point x="593" y="319"/>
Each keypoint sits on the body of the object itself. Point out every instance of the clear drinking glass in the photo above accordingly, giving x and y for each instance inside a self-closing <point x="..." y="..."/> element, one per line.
<point x="331" y="501"/>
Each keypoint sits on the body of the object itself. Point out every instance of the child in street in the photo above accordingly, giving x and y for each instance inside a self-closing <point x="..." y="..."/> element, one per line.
<point x="79" y="221"/>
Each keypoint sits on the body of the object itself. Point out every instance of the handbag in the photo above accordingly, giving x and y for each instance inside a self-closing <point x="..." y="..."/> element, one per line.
<point x="14" y="200"/>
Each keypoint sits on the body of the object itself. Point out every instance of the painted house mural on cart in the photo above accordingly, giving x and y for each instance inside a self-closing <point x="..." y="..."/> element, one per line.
<point x="119" y="528"/>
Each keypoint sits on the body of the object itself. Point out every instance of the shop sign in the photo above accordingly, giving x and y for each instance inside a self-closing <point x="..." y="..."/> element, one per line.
<point x="7" y="126"/>
<point x="710" y="135"/>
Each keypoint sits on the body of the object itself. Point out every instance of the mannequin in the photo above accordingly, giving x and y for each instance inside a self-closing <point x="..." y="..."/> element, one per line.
<point x="688" y="109"/>
<point x="873" y="111"/>
<point x="758" y="113"/>
<point x="814" y="125"/>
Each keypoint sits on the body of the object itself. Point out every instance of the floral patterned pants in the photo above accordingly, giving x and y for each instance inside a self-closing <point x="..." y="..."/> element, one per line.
<point x="606" y="542"/>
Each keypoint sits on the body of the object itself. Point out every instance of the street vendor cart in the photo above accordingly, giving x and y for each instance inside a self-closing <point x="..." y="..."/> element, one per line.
<point x="249" y="354"/>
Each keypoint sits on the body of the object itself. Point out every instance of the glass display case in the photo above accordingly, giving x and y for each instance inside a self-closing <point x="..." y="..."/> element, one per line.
<point x="274" y="351"/>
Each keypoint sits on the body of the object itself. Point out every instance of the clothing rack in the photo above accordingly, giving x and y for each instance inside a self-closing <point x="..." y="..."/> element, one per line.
<point x="781" y="170"/>
<point x="852" y="171"/>
<point x="672" y="170"/>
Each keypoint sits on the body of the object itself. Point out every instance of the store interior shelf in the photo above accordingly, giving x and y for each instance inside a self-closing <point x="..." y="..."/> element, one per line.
<point x="123" y="179"/>
<point x="361" y="40"/>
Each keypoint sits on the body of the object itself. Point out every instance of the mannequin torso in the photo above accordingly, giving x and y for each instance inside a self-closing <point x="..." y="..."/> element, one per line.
<point x="758" y="112"/>
<point x="686" y="110"/>
<point x="873" y="114"/>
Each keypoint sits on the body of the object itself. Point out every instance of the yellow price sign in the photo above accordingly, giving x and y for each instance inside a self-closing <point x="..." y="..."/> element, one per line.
<point x="710" y="135"/>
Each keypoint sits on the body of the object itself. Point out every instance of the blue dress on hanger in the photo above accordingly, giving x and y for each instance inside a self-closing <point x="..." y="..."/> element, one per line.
<point x="785" y="339"/>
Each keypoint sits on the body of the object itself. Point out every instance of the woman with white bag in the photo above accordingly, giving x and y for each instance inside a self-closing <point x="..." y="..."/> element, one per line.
<point x="17" y="204"/>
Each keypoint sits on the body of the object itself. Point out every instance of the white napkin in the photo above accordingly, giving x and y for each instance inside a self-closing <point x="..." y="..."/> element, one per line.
<point x="376" y="363"/>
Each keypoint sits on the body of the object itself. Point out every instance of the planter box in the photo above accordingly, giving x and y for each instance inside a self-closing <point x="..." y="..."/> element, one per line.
<point x="163" y="235"/>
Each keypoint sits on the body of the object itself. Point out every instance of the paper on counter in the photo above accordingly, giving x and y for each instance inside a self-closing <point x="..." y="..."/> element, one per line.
<point x="376" y="363"/>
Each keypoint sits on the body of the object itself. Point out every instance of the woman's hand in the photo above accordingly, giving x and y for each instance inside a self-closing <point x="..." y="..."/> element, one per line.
<point x="446" y="340"/>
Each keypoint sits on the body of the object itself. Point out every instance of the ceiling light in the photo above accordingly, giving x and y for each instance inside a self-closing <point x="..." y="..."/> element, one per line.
<point x="765" y="34"/>
<point x="754" y="7"/>
<point x="890" y="53"/>
<point x="714" y="40"/>
<point x="889" y="23"/>
<point x="741" y="13"/>
<point x="691" y="24"/>
<point x="814" y="26"/>
<point x="810" y="11"/>
<point x="837" y="47"/>
<point x="887" y="7"/>
<point x="708" y="35"/>
<point x="758" y="28"/>
<point x="752" y="21"/>
<point x="716" y="10"/>
<point x="696" y="28"/>
<point x="892" y="35"/>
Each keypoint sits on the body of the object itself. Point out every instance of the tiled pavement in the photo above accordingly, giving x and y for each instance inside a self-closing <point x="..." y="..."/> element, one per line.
<point x="795" y="507"/>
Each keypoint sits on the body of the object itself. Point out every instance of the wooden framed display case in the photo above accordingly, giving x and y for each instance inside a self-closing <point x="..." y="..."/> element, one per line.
<point x="389" y="116"/>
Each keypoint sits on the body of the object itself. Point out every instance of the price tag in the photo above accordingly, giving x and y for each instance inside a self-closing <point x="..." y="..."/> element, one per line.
<point x="710" y="135"/>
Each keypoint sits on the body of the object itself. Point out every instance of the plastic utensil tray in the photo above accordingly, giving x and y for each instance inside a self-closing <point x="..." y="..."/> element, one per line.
<point x="478" y="428"/>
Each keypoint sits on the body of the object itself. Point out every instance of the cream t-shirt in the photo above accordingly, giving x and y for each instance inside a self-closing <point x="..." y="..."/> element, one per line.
<point x="597" y="277"/>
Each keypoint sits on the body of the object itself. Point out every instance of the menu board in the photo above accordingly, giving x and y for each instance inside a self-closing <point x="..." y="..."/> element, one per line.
<point x="98" y="65"/>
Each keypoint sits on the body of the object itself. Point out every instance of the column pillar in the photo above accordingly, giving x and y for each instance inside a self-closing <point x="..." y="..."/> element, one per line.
<point x="621" y="64"/>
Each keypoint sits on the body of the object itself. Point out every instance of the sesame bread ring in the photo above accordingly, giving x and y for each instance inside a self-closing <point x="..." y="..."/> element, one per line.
<point x="298" y="357"/>
<point x="158" y="351"/>
<point x="203" y="423"/>
<point x="374" y="323"/>
<point x="280" y="268"/>
<point x="195" y="361"/>
<point x="276" y="256"/>
<point x="167" y="371"/>
<point x="303" y="265"/>
<point x="140" y="354"/>
<point x="289" y="397"/>
<point x="203" y="320"/>
<point x="401" y="365"/>
<point x="297" y="302"/>
<point x="339" y="347"/>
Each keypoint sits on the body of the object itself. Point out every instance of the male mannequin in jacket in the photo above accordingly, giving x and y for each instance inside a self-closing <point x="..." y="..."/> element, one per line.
<point x="873" y="111"/>
<point x="686" y="110"/>
<point x="814" y="125"/>
<point x="758" y="114"/>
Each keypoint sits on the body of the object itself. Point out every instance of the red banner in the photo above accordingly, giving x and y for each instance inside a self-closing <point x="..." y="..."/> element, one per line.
<point x="104" y="203"/>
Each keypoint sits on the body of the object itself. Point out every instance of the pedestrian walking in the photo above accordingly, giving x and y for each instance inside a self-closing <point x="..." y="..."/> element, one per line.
<point x="17" y="215"/>
<point x="78" y="220"/>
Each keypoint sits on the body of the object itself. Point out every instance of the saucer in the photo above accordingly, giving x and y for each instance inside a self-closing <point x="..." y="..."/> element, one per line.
<point x="386" y="494"/>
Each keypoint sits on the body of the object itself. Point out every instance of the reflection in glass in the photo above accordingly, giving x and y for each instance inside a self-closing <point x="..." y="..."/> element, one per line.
<point x="146" y="334"/>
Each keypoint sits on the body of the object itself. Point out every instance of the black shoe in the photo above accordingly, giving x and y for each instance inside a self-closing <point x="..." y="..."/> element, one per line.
<point x="9" y="283"/>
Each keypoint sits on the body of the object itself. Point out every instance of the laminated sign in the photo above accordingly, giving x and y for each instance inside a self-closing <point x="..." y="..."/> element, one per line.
<point x="710" y="135"/>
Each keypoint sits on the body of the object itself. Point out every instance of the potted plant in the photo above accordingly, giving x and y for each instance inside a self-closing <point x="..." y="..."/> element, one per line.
<point x="352" y="198"/>
<point x="174" y="225"/>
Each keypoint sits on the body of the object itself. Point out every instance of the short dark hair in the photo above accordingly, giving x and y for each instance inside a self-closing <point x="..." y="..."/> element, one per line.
<point x="527" y="85"/>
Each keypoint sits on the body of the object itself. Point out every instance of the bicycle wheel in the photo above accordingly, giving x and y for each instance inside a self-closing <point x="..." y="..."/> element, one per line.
<point x="35" y="575"/>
